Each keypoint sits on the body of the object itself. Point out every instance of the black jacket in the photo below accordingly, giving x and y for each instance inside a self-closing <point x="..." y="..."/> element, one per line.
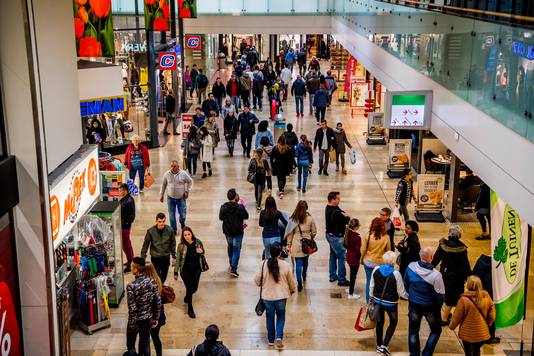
<point x="319" y="138"/>
<point x="298" y="88"/>
<point x="208" y="106"/>
<point x="170" y="104"/>
<point x="335" y="220"/>
<point x="205" y="349"/>
<point x="409" y="248"/>
<point x="301" y="58"/>
<point x="282" y="163"/>
<point x="232" y="215"/>
<point x="404" y="193"/>
<point x="247" y="123"/>
<point x="127" y="211"/>
<point x="218" y="90"/>
<point x="483" y="200"/>
<point x="291" y="139"/>
<point x="231" y="126"/>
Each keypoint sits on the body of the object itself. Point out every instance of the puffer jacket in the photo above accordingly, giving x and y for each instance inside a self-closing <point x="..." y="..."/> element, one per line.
<point x="473" y="323"/>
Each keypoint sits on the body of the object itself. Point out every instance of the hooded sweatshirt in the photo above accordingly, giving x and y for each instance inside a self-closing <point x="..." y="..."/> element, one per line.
<point x="425" y="285"/>
<point x="232" y="215"/>
<point x="394" y="288"/>
<point x="208" y="348"/>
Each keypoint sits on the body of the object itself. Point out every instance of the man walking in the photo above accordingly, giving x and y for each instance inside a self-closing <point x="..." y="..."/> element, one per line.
<point x="325" y="140"/>
<point x="320" y="101"/>
<point x="170" y="105"/>
<point x="336" y="220"/>
<point x="161" y="239"/>
<point x="301" y="60"/>
<point x="233" y="215"/>
<point x="404" y="194"/>
<point x="312" y="84"/>
<point x="426" y="292"/>
<point x="201" y="84"/>
<point x="247" y="129"/>
<point x="127" y="219"/>
<point x="179" y="184"/>
<point x="210" y="105"/>
<point x="298" y="89"/>
<point x="285" y="77"/>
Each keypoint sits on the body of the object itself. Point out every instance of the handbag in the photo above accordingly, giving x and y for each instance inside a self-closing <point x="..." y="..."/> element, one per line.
<point x="309" y="246"/>
<point x="373" y="308"/>
<point x="363" y="322"/>
<point x="251" y="177"/>
<point x="203" y="263"/>
<point x="332" y="155"/>
<point x="167" y="295"/>
<point x="396" y="218"/>
<point x="149" y="180"/>
<point x="260" y="306"/>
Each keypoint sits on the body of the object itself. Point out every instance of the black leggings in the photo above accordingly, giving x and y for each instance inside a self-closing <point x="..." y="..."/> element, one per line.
<point x="191" y="279"/>
<point x="353" y="273"/>
<point x="393" y="319"/>
<point x="269" y="180"/>
<point x="206" y="165"/>
<point x="281" y="182"/>
<point x="154" y="333"/>
<point x="246" y="143"/>
<point x="472" y="348"/>
<point x="482" y="219"/>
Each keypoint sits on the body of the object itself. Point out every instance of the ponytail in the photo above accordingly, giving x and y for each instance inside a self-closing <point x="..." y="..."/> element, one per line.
<point x="274" y="268"/>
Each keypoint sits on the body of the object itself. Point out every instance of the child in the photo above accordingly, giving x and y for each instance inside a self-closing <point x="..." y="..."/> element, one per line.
<point x="352" y="242"/>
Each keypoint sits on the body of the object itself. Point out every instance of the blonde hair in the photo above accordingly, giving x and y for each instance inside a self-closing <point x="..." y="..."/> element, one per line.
<point x="390" y="258"/>
<point x="474" y="284"/>
<point x="258" y="157"/>
<point x="151" y="271"/>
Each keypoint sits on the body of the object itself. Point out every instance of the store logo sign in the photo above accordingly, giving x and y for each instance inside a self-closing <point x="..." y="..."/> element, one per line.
<point x="101" y="106"/>
<point x="133" y="47"/>
<point x="193" y="42"/>
<point x="523" y="50"/>
<point x="167" y="61"/>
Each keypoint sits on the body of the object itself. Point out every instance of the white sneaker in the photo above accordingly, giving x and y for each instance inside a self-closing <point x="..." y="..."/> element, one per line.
<point x="353" y="296"/>
<point x="347" y="290"/>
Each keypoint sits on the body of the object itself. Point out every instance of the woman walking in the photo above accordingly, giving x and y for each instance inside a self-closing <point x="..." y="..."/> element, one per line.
<point x="373" y="248"/>
<point x="409" y="246"/>
<point x="304" y="155"/>
<point x="213" y="130"/>
<point x="188" y="266"/>
<point x="263" y="131"/>
<point x="267" y="149"/>
<point x="154" y="332"/>
<point x="137" y="160"/>
<point x="352" y="241"/>
<point x="230" y="130"/>
<point x="227" y="107"/>
<point x="192" y="149"/>
<point x="283" y="163"/>
<point x="269" y="218"/>
<point x="210" y="346"/>
<point x="474" y="313"/>
<point x="206" y="152"/>
<point x="452" y="255"/>
<point x="300" y="227"/>
<point x="385" y="288"/>
<point x="258" y="168"/>
<point x="275" y="277"/>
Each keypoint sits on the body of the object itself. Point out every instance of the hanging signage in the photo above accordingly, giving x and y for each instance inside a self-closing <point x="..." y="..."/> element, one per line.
<point x="430" y="191"/>
<point x="73" y="195"/>
<point x="133" y="47"/>
<point x="101" y="105"/>
<point x="157" y="14"/>
<point x="376" y="125"/>
<point x="193" y="42"/>
<point x="359" y="93"/>
<point x="167" y="61"/>
<point x="409" y="110"/>
<point x="350" y="70"/>
<point x="93" y="28"/>
<point x="399" y="154"/>
<point x="187" y="121"/>
<point x="509" y="241"/>
<point x="187" y="9"/>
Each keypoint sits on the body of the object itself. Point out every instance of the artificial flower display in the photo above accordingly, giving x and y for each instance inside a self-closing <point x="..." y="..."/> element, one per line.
<point x="93" y="28"/>
<point x="157" y="13"/>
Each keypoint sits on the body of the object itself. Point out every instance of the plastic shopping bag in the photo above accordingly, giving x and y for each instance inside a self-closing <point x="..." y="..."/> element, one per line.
<point x="352" y="155"/>
<point x="396" y="218"/>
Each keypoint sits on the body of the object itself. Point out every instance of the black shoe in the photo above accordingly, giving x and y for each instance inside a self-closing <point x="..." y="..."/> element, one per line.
<point x="325" y="173"/>
<point x="127" y="270"/>
<point x="332" y="280"/>
<point x="483" y="237"/>
<point x="299" y="288"/>
<point x="204" y="175"/>
<point x="493" y="340"/>
<point x="445" y="323"/>
<point x="304" y="276"/>
<point x="234" y="274"/>
<point x="191" y="312"/>
<point x="320" y="172"/>
<point x="166" y="133"/>
<point x="176" y="134"/>
<point x="344" y="284"/>
<point x="209" y="173"/>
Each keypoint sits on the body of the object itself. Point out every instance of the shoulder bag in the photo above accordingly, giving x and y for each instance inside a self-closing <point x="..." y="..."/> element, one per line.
<point x="309" y="246"/>
<point x="373" y="308"/>
<point x="479" y="311"/>
<point x="167" y="295"/>
<point x="251" y="176"/>
<point x="149" y="179"/>
<point x="260" y="306"/>
<point x="203" y="263"/>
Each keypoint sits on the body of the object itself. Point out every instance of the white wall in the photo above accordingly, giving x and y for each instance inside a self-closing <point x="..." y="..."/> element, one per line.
<point x="504" y="159"/>
<point x="100" y="82"/>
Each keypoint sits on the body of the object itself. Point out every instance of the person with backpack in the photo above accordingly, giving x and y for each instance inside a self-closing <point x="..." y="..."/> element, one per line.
<point x="267" y="149"/>
<point x="291" y="137"/>
<point x="245" y="82"/>
<point x="314" y="65"/>
<point x="298" y="90"/>
<point x="210" y="346"/>
<point x="257" y="90"/>
<point x="233" y="89"/>
<point x="304" y="156"/>
<point x="201" y="85"/>
<point x="285" y="78"/>
<point x="247" y="129"/>
<point x="290" y="59"/>
<point x="231" y="127"/>
<point x="258" y="168"/>
<point x="312" y="85"/>
<point x="475" y="313"/>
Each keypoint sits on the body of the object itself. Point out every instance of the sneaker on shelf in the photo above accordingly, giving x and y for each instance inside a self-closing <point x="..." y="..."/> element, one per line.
<point x="353" y="296"/>
<point x="279" y="344"/>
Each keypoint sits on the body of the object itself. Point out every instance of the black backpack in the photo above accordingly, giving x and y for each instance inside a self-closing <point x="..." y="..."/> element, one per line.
<point x="203" y="81"/>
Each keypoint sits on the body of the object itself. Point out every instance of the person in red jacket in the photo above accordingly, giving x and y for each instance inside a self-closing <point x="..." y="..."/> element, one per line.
<point x="137" y="160"/>
<point x="352" y="241"/>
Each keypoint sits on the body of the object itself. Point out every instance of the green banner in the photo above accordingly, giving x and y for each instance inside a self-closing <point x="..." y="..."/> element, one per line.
<point x="408" y="100"/>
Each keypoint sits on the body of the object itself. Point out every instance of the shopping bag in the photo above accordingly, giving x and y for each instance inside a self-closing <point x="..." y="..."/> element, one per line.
<point x="352" y="155"/>
<point x="149" y="180"/>
<point x="363" y="322"/>
<point x="332" y="155"/>
<point x="396" y="218"/>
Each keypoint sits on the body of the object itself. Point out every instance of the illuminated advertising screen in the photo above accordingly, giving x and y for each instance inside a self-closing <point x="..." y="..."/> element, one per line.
<point x="409" y="110"/>
<point x="93" y="28"/>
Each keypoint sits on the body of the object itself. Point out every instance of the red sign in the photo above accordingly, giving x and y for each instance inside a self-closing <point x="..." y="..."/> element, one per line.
<point x="167" y="61"/>
<point x="193" y="42"/>
<point x="350" y="71"/>
<point x="187" y="121"/>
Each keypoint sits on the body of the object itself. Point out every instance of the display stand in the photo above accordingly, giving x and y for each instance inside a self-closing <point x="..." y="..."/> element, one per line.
<point x="430" y="194"/>
<point x="429" y="216"/>
<point x="375" y="129"/>
<point x="111" y="182"/>
<point x="399" y="157"/>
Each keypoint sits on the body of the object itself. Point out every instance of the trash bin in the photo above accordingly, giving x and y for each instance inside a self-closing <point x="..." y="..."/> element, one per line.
<point x="222" y="61"/>
<point x="279" y="126"/>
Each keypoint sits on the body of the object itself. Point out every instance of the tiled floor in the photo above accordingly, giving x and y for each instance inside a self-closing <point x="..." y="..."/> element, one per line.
<point x="315" y="320"/>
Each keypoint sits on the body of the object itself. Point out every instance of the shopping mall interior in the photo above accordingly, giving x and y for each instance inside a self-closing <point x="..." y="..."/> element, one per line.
<point x="428" y="107"/>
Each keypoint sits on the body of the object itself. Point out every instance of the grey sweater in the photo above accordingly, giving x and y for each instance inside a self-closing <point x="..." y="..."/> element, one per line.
<point x="176" y="184"/>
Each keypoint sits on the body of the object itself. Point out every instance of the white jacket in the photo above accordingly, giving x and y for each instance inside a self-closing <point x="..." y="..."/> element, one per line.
<point x="206" y="152"/>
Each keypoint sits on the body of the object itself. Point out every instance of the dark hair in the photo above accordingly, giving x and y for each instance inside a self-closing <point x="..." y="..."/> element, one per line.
<point x="192" y="132"/>
<point x="272" y="262"/>
<point x="323" y="121"/>
<point x="305" y="141"/>
<point x="406" y="171"/>
<point x="200" y="70"/>
<point x="413" y="225"/>
<point x="125" y="187"/>
<point x="270" y="212"/>
<point x="139" y="261"/>
<point x="231" y="194"/>
<point x="301" y="211"/>
<point x="203" y="131"/>
<point x="264" y="141"/>
<point x="387" y="211"/>
<point x="281" y="145"/>
<point x="246" y="106"/>
<point x="210" y="93"/>
<point x="198" y="108"/>
<point x="322" y="79"/>
<point x="194" y="65"/>
<point x="212" y="333"/>
<point x="263" y="125"/>
<point x="377" y="228"/>
<point x="332" y="196"/>
<point x="289" y="127"/>
<point x="184" y="229"/>
<point x="160" y="216"/>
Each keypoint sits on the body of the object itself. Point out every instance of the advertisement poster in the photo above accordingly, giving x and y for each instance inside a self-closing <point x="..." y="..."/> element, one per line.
<point x="359" y="72"/>
<point x="351" y="63"/>
<point x="187" y="121"/>
<point x="376" y="125"/>
<point x="399" y="154"/>
<point x="359" y="92"/>
<point x="509" y="241"/>
<point x="407" y="110"/>
<point x="430" y="191"/>
<point x="157" y="13"/>
<point x="187" y="9"/>
<point x="93" y="28"/>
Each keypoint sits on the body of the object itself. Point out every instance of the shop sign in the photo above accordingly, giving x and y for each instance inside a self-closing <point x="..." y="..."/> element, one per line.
<point x="399" y="154"/>
<point x="509" y="241"/>
<point x="133" y="47"/>
<point x="101" y="106"/>
<point x="193" y="42"/>
<point x="523" y="50"/>
<point x="73" y="196"/>
<point x="359" y="93"/>
<point x="375" y="124"/>
<point x="430" y="191"/>
<point x="187" y="121"/>
<point x="409" y="110"/>
<point x="350" y="70"/>
<point x="167" y="61"/>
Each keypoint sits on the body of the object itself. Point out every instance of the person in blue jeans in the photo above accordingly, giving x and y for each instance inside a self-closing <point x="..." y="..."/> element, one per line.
<point x="304" y="156"/>
<point x="298" y="89"/>
<point x="177" y="184"/>
<point x="269" y="218"/>
<point x="137" y="160"/>
<point x="233" y="215"/>
<point x="275" y="278"/>
<point x="336" y="220"/>
<point x="426" y="293"/>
